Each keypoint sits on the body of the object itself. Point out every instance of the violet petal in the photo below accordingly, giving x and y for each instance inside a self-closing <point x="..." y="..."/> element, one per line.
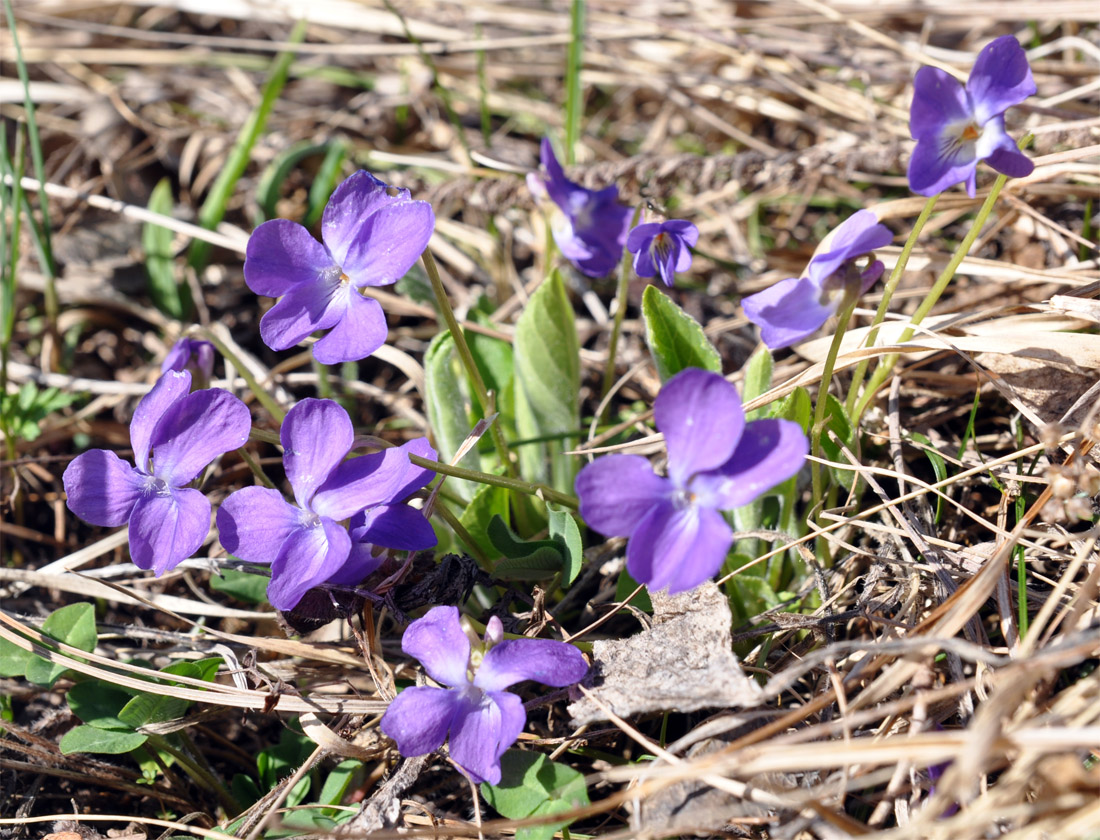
<point x="437" y="640"/>
<point x="543" y="660"/>
<point x="678" y="548"/>
<point x="480" y="735"/>
<point x="254" y="522"/>
<point x="616" y="491"/>
<point x="304" y="309"/>
<point x="316" y="435"/>
<point x="360" y="331"/>
<point x="362" y="482"/>
<point x="700" y="415"/>
<point x="418" y="719"/>
<point x="306" y="559"/>
<point x="938" y="101"/>
<point x="1000" y="78"/>
<point x="388" y="243"/>
<point x="357" y="198"/>
<point x="195" y="430"/>
<point x="395" y="526"/>
<point x="282" y="254"/>
<point x="101" y="488"/>
<point x="166" y="529"/>
<point x="788" y="311"/>
<point x="770" y="451"/>
<point x="171" y="387"/>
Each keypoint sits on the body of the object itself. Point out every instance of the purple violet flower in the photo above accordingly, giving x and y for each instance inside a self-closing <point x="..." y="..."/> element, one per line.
<point x="716" y="462"/>
<point x="955" y="127"/>
<point x="194" y="355"/>
<point x="591" y="229"/>
<point x="307" y="544"/>
<point x="372" y="234"/>
<point x="796" y="308"/>
<point x="662" y="248"/>
<point x="174" y="434"/>
<point x="483" y="719"/>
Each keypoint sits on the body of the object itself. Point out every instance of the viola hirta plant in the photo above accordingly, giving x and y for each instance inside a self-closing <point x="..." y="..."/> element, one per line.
<point x="716" y="462"/>
<point x="175" y="435"/>
<point x="481" y="718"/>
<point x="308" y="543"/>
<point x="662" y="248"/>
<point x="796" y="308"/>
<point x="590" y="229"/>
<point x="194" y="355"/>
<point x="956" y="126"/>
<point x="371" y="236"/>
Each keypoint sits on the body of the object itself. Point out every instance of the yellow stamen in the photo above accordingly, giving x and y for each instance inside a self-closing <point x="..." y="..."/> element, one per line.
<point x="971" y="132"/>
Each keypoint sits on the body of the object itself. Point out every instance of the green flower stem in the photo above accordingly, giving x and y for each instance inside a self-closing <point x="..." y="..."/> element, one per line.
<point x="887" y="294"/>
<point x="476" y="382"/>
<point x="257" y="470"/>
<point x="508" y="482"/>
<point x="620" y="314"/>
<point x="464" y="535"/>
<point x="847" y="306"/>
<point x="887" y="364"/>
<point x="265" y="399"/>
<point x="199" y="774"/>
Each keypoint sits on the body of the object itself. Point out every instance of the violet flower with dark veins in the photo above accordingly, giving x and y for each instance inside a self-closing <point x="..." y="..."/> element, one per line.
<point x="662" y="248"/>
<point x="482" y="719"/>
<point x="716" y="462"/>
<point x="308" y="543"/>
<point x="174" y="434"/>
<point x="372" y="234"/>
<point x="796" y="308"/>
<point x="591" y="228"/>
<point x="956" y="126"/>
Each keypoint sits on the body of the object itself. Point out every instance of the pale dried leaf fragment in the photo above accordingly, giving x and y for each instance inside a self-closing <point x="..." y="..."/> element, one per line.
<point x="684" y="662"/>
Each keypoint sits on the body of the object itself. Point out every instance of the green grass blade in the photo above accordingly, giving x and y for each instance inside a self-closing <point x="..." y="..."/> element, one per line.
<point x="574" y="93"/>
<point x="169" y="296"/>
<point x="325" y="182"/>
<point x="213" y="209"/>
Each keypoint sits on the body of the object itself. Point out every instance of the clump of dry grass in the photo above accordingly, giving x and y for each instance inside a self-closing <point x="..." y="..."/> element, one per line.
<point x="908" y="703"/>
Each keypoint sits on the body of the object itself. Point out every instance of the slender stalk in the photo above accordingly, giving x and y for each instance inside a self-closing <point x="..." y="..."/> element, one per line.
<point x="464" y="535"/>
<point x="620" y="314"/>
<point x="199" y="774"/>
<point x="574" y="93"/>
<point x="847" y="306"/>
<point x="887" y="294"/>
<point x="887" y="364"/>
<point x="476" y="382"/>
<point x="265" y="399"/>
<point x="541" y="490"/>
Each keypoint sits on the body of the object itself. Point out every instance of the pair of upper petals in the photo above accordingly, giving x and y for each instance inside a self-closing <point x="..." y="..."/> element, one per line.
<point x="175" y="434"/>
<point x="370" y="237"/>
<point x="942" y="107"/>
<point x="671" y="256"/>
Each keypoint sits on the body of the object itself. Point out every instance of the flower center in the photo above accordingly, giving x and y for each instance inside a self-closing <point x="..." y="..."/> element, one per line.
<point x="970" y="132"/>
<point x="661" y="244"/>
<point x="157" y="486"/>
<point x="683" y="499"/>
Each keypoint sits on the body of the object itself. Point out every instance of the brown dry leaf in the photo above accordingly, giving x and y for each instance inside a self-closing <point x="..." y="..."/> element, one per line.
<point x="684" y="662"/>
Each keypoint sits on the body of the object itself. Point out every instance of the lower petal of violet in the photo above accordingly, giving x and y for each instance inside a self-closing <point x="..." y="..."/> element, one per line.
<point x="419" y="717"/>
<point x="359" y="332"/>
<point x="101" y="488"/>
<point x="932" y="171"/>
<point x="167" y="528"/>
<point x="309" y="557"/>
<point x="678" y="548"/>
<point x="483" y="730"/>
<point x="197" y="429"/>
<point x="304" y="309"/>
<point x="254" y="522"/>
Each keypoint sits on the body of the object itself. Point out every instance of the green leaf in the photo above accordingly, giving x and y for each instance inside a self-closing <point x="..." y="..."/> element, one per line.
<point x="939" y="465"/>
<point x="489" y="501"/>
<point x="533" y="785"/>
<point x="271" y="180"/>
<point x="548" y="380"/>
<point x="448" y="408"/>
<point x="837" y="421"/>
<point x="625" y="585"/>
<point x="564" y="531"/>
<point x="281" y="760"/>
<point x="758" y="379"/>
<point x="338" y="780"/>
<point x="252" y="589"/>
<point x="156" y="240"/>
<point x="13" y="659"/>
<point x="324" y="182"/>
<point x="74" y="625"/>
<point x="675" y="339"/>
<point x="98" y="704"/>
<point x="92" y="739"/>
<point x="533" y="560"/>
<point x="796" y="406"/>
